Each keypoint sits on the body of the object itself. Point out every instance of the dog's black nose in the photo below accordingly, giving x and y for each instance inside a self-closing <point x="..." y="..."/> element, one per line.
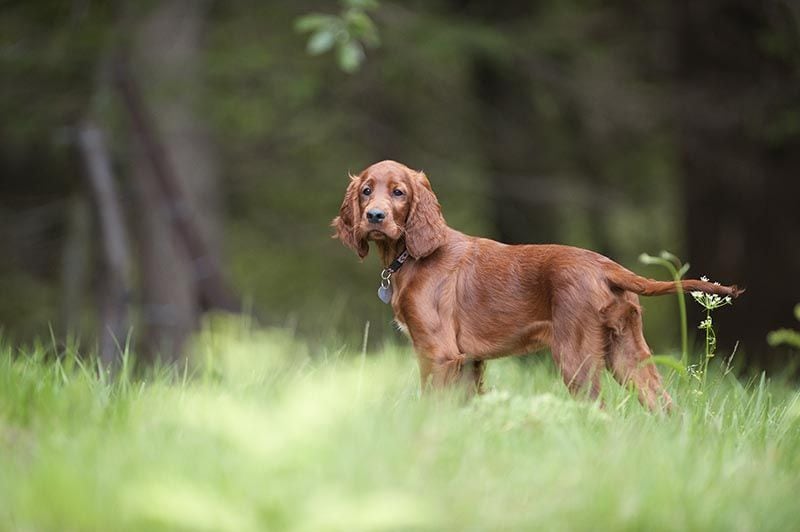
<point x="375" y="216"/>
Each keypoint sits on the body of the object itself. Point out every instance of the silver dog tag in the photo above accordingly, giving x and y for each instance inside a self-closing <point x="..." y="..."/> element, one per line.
<point x="385" y="293"/>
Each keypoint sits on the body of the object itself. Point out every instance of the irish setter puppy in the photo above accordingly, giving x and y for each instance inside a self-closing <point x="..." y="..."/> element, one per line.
<point x="464" y="299"/>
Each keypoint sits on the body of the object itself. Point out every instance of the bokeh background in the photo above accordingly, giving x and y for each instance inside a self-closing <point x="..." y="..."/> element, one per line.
<point x="160" y="161"/>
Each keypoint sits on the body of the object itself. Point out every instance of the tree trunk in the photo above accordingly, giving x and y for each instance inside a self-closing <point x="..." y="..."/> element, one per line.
<point x="113" y="321"/>
<point x="166" y="57"/>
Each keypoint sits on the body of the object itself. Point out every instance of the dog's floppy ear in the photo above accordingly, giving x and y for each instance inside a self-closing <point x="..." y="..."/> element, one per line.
<point x="425" y="226"/>
<point x="346" y="223"/>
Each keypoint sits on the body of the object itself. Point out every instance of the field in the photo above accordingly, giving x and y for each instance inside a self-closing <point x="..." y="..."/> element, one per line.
<point x="267" y="433"/>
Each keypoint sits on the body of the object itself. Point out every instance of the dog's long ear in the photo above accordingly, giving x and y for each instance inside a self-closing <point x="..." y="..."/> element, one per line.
<point x="347" y="221"/>
<point x="425" y="226"/>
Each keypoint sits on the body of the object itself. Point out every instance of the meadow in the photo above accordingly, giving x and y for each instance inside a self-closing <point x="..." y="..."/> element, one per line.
<point x="268" y="433"/>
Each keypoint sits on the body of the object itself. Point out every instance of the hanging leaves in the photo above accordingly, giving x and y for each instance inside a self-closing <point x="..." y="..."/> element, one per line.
<point x="348" y="33"/>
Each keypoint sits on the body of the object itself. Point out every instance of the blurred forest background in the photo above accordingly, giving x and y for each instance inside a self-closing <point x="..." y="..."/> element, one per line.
<point x="163" y="160"/>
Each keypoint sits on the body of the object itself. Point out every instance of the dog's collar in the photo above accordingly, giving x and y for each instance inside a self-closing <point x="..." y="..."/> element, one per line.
<point x="385" y="289"/>
<point x="396" y="263"/>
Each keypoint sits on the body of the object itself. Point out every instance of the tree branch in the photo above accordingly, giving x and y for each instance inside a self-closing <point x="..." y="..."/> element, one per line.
<point x="114" y="318"/>
<point x="213" y="289"/>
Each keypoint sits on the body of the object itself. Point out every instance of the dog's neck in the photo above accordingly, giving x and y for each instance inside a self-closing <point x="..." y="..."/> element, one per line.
<point x="389" y="250"/>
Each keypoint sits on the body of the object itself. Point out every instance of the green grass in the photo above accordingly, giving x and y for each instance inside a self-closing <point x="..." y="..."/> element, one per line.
<point x="267" y="435"/>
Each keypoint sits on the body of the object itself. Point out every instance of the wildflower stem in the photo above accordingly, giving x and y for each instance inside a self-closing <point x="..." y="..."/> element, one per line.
<point x="709" y="350"/>
<point x="684" y="325"/>
<point x="677" y="270"/>
<point x="710" y="302"/>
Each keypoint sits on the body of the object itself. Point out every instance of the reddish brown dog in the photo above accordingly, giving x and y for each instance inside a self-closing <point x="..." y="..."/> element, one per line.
<point x="464" y="300"/>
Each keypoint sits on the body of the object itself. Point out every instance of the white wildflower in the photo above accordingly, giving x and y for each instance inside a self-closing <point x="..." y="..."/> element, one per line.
<point x="705" y="324"/>
<point x="711" y="301"/>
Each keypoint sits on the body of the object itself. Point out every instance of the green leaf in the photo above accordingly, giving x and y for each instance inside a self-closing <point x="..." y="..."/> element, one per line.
<point x="313" y="22"/>
<point x="358" y="20"/>
<point x="644" y="258"/>
<point x="784" y="337"/>
<point x="321" y="42"/>
<point x="797" y="312"/>
<point x="666" y="255"/>
<point x="361" y="4"/>
<point x="350" y="56"/>
<point x="683" y="270"/>
<point x="668" y="361"/>
<point x="361" y="26"/>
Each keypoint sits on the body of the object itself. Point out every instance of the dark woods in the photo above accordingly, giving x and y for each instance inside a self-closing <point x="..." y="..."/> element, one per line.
<point x="168" y="159"/>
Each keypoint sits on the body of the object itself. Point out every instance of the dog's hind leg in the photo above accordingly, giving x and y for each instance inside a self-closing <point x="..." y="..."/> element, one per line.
<point x="629" y="356"/>
<point x="473" y="371"/>
<point x="578" y="350"/>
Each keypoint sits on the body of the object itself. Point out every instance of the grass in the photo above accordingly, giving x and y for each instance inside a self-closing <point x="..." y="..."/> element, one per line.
<point x="266" y="435"/>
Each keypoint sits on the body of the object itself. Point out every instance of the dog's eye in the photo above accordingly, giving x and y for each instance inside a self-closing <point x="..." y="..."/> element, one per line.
<point x="397" y="192"/>
<point x="367" y="191"/>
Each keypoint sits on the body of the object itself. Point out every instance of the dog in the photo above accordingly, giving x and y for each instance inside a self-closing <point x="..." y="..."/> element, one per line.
<point x="464" y="300"/>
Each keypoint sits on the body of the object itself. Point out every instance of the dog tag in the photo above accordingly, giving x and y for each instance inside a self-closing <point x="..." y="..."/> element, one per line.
<point x="385" y="293"/>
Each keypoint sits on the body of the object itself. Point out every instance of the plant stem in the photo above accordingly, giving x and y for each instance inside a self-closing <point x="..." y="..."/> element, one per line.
<point x="709" y="353"/>
<point x="677" y="270"/>
<point x="684" y="325"/>
<point x="676" y="276"/>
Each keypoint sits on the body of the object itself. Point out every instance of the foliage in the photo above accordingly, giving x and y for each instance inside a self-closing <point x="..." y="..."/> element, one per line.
<point x="677" y="270"/>
<point x="786" y="336"/>
<point x="286" y="124"/>
<point x="574" y="119"/>
<point x="348" y="32"/>
<point x="709" y="302"/>
<point x="269" y="433"/>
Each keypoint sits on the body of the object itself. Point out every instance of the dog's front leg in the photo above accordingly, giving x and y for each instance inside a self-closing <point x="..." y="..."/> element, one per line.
<point x="441" y="362"/>
<point x="445" y="370"/>
<point x="425" y="371"/>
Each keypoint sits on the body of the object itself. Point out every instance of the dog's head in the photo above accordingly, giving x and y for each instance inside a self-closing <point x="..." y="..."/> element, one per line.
<point x="389" y="201"/>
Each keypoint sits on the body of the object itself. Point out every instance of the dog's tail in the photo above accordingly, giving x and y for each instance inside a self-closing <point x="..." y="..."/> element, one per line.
<point x="627" y="280"/>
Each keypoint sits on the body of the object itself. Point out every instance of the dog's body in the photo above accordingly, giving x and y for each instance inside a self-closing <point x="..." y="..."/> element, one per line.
<point x="464" y="300"/>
